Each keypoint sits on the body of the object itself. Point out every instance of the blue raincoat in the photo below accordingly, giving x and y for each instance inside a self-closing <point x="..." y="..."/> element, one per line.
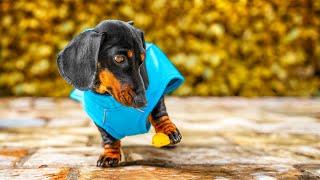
<point x="119" y="120"/>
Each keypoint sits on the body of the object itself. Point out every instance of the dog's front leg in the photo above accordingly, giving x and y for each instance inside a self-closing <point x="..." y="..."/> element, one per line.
<point x="161" y="122"/>
<point x="111" y="154"/>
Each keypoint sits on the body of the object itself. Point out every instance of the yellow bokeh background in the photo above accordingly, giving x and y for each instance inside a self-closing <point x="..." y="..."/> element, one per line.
<point x="222" y="47"/>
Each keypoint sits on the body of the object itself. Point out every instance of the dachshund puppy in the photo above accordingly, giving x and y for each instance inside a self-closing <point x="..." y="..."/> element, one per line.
<point x="122" y="93"/>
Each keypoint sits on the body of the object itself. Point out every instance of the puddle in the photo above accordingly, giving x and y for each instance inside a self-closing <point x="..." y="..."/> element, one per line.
<point x="20" y="123"/>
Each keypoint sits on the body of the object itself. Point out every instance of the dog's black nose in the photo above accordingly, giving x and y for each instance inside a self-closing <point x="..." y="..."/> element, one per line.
<point x="139" y="101"/>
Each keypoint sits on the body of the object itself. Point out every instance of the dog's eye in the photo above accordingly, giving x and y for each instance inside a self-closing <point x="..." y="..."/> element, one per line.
<point x="119" y="58"/>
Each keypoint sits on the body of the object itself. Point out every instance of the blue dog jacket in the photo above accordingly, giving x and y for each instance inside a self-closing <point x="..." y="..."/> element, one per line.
<point x="119" y="120"/>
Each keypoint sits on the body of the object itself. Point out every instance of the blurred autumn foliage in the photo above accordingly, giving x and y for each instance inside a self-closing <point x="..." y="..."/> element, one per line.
<point x="235" y="47"/>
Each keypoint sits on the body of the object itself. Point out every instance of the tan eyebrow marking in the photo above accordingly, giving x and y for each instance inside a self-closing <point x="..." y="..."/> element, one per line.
<point x="130" y="53"/>
<point x="142" y="56"/>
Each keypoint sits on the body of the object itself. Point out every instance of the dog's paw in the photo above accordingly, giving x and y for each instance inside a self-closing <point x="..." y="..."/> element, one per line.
<point x="164" y="125"/>
<point x="111" y="155"/>
<point x="174" y="136"/>
<point x="108" y="161"/>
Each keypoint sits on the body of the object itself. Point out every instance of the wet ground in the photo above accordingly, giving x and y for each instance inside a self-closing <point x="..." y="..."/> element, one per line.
<point x="223" y="138"/>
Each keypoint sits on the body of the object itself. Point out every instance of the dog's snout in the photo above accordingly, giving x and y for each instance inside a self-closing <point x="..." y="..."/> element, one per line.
<point x="139" y="101"/>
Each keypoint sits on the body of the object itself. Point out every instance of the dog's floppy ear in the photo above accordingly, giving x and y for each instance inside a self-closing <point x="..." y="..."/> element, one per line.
<point x="77" y="63"/>
<point x="143" y="68"/>
<point x="142" y="39"/>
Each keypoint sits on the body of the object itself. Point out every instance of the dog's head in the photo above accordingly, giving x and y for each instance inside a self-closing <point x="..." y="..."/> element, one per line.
<point x="107" y="59"/>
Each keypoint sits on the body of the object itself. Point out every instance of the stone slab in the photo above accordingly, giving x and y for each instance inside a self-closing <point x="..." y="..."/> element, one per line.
<point x="36" y="174"/>
<point x="64" y="157"/>
<point x="223" y="138"/>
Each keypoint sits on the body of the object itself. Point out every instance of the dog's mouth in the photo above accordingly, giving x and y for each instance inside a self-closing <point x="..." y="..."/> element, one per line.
<point x="125" y="97"/>
<point x="129" y="98"/>
<point x="123" y="93"/>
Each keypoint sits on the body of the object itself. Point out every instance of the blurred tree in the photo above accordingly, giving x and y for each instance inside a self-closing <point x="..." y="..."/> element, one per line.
<point x="235" y="47"/>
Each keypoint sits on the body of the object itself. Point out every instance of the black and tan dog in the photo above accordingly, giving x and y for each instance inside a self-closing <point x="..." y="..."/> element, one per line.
<point x="109" y="60"/>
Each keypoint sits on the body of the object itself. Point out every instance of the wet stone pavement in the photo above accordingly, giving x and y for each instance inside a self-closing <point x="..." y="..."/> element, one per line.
<point x="223" y="138"/>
